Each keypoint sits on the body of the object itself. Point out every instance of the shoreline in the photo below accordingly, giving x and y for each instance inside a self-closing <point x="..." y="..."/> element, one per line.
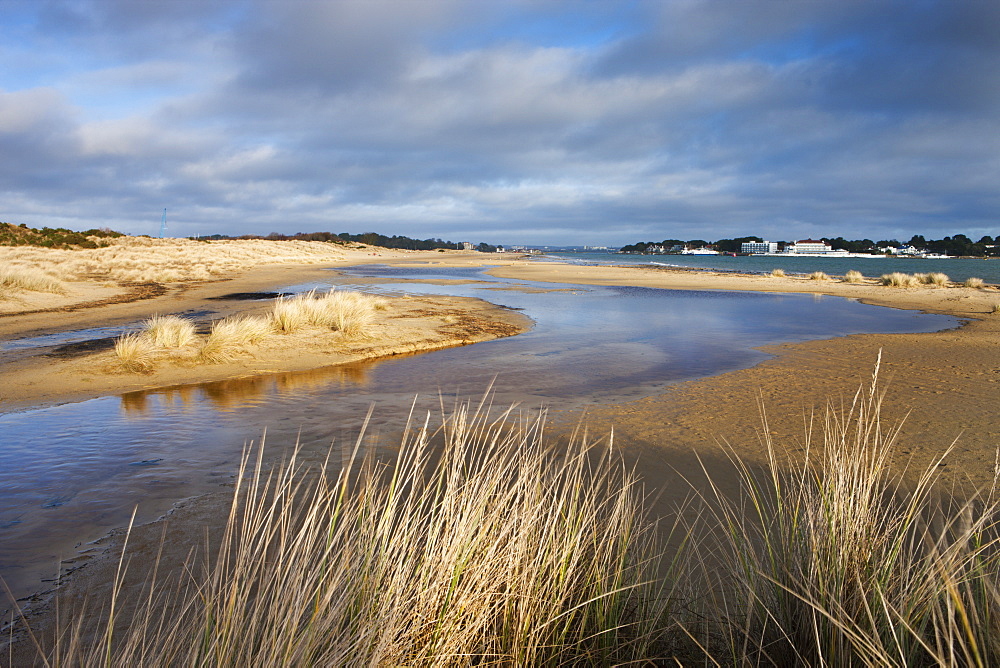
<point x="940" y="385"/>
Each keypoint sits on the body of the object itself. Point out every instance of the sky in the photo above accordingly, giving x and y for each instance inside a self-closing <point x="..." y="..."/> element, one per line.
<point x="538" y="122"/>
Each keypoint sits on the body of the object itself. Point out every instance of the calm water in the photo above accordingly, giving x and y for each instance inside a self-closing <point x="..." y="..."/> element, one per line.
<point x="70" y="473"/>
<point x="957" y="269"/>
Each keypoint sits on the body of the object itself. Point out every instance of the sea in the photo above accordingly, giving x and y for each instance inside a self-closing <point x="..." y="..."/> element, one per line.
<point x="957" y="269"/>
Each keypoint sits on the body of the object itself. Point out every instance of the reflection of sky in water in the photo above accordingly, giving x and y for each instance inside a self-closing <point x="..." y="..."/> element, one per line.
<point x="60" y="338"/>
<point x="77" y="470"/>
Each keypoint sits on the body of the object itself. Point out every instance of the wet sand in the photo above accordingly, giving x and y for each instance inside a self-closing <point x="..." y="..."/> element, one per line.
<point x="945" y="384"/>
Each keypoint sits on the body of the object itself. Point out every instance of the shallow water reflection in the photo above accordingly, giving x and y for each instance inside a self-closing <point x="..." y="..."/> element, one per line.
<point x="70" y="473"/>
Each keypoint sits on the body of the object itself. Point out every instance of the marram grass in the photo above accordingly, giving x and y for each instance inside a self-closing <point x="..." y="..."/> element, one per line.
<point x="853" y="276"/>
<point x="933" y="278"/>
<point x="835" y="562"/>
<point x="480" y="543"/>
<point x="169" y="331"/>
<point x="230" y="336"/>
<point x="348" y="312"/>
<point x="898" y="279"/>
<point x="20" y="278"/>
<point x="483" y="542"/>
<point x="135" y="352"/>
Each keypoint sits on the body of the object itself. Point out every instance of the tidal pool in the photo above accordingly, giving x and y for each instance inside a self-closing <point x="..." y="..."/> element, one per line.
<point x="70" y="473"/>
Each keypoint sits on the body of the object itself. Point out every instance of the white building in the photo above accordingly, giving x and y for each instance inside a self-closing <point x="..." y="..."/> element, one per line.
<point x="809" y="247"/>
<point x="759" y="247"/>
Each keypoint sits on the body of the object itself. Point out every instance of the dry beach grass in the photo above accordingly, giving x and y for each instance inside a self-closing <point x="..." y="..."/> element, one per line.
<point x="484" y="541"/>
<point x="164" y="338"/>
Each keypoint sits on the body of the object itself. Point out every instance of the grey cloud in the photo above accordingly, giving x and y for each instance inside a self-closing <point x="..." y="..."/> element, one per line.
<point x="717" y="119"/>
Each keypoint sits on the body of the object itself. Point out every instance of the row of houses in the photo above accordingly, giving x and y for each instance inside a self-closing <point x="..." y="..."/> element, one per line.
<point x="801" y="247"/>
<point x="817" y="247"/>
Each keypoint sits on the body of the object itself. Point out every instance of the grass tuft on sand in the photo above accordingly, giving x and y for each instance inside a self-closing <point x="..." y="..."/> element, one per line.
<point x="973" y="282"/>
<point x="899" y="280"/>
<point x="853" y="276"/>
<point x="169" y="331"/>
<point x="818" y="276"/>
<point x="348" y="312"/>
<point x="135" y="352"/>
<point x="933" y="278"/>
<point x="230" y="336"/>
<point x="479" y="543"/>
<point x="777" y="273"/>
<point x="835" y="562"/>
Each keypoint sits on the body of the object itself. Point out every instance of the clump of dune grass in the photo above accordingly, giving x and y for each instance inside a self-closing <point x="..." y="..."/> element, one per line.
<point x="22" y="278"/>
<point x="135" y="352"/>
<point x="169" y="331"/>
<point x="352" y="312"/>
<point x="479" y="543"/>
<point x="777" y="273"/>
<point x="932" y="278"/>
<point x="835" y="562"/>
<point x="818" y="276"/>
<point x="996" y="308"/>
<point x="899" y="280"/>
<point x="973" y="282"/>
<point x="853" y="276"/>
<point x="290" y="314"/>
<point x="348" y="312"/>
<point x="230" y="336"/>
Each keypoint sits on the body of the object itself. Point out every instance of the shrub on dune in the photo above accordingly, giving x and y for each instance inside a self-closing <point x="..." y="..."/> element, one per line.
<point x="973" y="282"/>
<point x="818" y="276"/>
<point x="777" y="273"/>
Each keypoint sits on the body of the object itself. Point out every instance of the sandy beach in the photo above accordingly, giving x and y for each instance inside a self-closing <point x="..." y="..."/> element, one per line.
<point x="945" y="384"/>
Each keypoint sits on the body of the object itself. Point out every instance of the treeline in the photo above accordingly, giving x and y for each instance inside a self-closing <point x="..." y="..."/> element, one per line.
<point x="958" y="245"/>
<point x="54" y="237"/>
<point x="367" y="238"/>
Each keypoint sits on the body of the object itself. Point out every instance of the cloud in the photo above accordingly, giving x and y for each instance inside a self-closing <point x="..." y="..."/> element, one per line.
<point x="528" y="122"/>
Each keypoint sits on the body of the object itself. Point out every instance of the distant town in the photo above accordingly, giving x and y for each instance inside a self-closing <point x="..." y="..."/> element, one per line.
<point x="956" y="246"/>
